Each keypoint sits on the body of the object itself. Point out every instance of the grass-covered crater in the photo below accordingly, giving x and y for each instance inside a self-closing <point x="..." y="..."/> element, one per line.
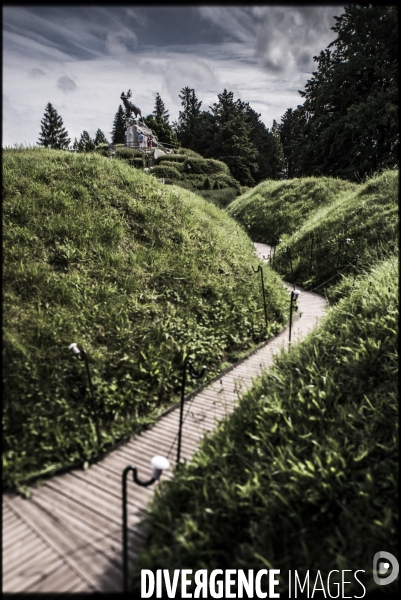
<point x="139" y="274"/>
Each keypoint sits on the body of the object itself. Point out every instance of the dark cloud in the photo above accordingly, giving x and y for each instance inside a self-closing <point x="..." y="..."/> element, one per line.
<point x="36" y="73"/>
<point x="66" y="84"/>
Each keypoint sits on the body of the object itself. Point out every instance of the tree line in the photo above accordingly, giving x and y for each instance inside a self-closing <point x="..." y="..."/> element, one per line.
<point x="346" y="127"/>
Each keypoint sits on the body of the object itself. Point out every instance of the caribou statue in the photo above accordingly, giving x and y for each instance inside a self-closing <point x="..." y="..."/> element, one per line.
<point x="129" y="106"/>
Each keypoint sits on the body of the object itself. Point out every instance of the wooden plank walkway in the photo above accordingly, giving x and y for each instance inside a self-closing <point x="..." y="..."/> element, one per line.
<point x="67" y="537"/>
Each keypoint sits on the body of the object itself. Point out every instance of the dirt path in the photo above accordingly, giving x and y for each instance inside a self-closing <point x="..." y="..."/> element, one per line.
<point x="67" y="537"/>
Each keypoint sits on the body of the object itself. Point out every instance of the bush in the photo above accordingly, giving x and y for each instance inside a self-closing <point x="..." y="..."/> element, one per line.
<point x="188" y="152"/>
<point x="165" y="171"/>
<point x="206" y="166"/>
<point x="206" y="184"/>
<point x="127" y="152"/>
<point x="179" y="158"/>
<point x="170" y="164"/>
<point x="102" y="149"/>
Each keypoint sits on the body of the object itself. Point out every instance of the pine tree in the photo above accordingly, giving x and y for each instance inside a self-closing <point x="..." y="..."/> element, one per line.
<point x="158" y="123"/>
<point x="160" y="111"/>
<point x="232" y="141"/>
<point x="188" y="128"/>
<point x="118" y="131"/>
<point x="53" y="133"/>
<point x="100" y="138"/>
<point x="85" y="144"/>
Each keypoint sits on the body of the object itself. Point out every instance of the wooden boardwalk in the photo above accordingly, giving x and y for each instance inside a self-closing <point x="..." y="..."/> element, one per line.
<point x="67" y="537"/>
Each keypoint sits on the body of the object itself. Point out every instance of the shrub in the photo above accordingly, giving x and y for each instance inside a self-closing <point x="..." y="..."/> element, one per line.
<point x="206" y="184"/>
<point x="179" y="158"/>
<point x="166" y="171"/>
<point x="102" y="149"/>
<point x="127" y="152"/>
<point x="206" y="166"/>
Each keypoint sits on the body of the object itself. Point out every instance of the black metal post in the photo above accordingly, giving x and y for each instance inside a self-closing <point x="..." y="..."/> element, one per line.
<point x="289" y="336"/>
<point x="340" y="244"/>
<point x="288" y="251"/>
<point x="356" y="266"/>
<point x="92" y="397"/>
<point x="125" y="524"/>
<point x="310" y="260"/>
<point x="294" y="296"/>
<point x="195" y="375"/>
<point x="263" y="289"/>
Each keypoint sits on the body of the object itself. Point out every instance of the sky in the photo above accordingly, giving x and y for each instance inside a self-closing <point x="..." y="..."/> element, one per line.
<point x="81" y="58"/>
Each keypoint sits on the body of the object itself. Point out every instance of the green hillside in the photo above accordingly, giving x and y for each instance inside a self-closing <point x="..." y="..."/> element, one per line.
<point x="363" y="222"/>
<point x="303" y="475"/>
<point x="275" y="208"/>
<point x="137" y="273"/>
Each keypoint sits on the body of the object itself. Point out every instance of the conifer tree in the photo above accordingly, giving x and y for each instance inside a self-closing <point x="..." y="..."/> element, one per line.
<point x="159" y="124"/>
<point x="85" y="144"/>
<point x="100" y="138"/>
<point x="118" y="131"/>
<point x="188" y="128"/>
<point x="160" y="111"/>
<point x="232" y="141"/>
<point x="53" y="133"/>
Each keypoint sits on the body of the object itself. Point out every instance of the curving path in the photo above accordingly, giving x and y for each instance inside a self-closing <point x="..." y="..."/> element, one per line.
<point x="67" y="537"/>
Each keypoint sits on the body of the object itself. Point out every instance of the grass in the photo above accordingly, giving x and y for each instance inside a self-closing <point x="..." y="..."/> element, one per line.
<point x="139" y="274"/>
<point x="303" y="474"/>
<point x="274" y="208"/>
<point x="363" y="222"/>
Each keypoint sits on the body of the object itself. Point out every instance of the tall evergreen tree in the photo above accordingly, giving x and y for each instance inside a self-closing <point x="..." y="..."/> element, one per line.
<point x="53" y="133"/>
<point x="100" y="138"/>
<point x="118" y="131"/>
<point x="85" y="144"/>
<point x="159" y="124"/>
<point x="160" y="111"/>
<point x="351" y="102"/>
<point x="293" y="139"/>
<point x="232" y="141"/>
<point x="188" y="126"/>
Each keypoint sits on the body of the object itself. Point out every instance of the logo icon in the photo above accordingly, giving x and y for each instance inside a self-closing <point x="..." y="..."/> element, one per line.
<point x="389" y="566"/>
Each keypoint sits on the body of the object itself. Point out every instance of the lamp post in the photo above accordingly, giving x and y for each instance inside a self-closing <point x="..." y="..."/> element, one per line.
<point x="263" y="290"/>
<point x="294" y="298"/>
<point x="195" y="375"/>
<point x="288" y="251"/>
<point x="82" y="355"/>
<point x="159" y="464"/>
<point x="311" y="255"/>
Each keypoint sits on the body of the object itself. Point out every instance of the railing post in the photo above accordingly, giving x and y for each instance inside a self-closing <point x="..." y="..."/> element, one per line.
<point x="294" y="296"/>
<point x="195" y="375"/>
<point x="82" y="355"/>
<point x="159" y="464"/>
<point x="263" y="290"/>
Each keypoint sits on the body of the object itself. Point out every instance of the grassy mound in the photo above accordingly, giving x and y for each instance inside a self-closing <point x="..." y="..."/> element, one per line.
<point x="139" y="274"/>
<point x="303" y="475"/>
<point x="274" y="208"/>
<point x="364" y="222"/>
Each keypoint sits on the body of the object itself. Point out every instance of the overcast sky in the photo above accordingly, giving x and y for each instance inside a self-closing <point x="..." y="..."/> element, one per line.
<point x="80" y="58"/>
